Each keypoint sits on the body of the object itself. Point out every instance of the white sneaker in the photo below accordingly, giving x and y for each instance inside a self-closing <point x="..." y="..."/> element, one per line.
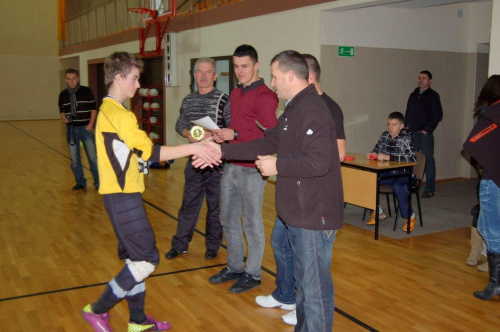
<point x="290" y="318"/>
<point x="270" y="302"/>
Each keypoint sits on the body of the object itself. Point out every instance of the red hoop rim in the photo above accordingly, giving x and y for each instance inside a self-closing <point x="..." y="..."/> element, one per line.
<point x="143" y="11"/>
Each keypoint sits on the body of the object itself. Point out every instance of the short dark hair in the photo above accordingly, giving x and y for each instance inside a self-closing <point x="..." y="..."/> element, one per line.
<point x="294" y="61"/>
<point x="120" y="63"/>
<point x="72" y="71"/>
<point x="246" y="50"/>
<point x="428" y="73"/>
<point x="313" y="65"/>
<point x="397" y="116"/>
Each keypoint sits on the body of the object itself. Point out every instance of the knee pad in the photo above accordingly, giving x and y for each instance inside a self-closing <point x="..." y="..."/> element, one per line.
<point x="140" y="270"/>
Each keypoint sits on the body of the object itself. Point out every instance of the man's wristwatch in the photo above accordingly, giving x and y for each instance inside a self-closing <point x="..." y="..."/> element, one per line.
<point x="235" y="134"/>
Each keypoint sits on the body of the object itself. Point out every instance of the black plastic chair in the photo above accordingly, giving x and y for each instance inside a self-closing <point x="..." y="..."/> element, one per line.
<point x="418" y="172"/>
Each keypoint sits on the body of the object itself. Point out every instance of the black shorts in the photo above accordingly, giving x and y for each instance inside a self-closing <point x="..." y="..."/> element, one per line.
<point x="136" y="239"/>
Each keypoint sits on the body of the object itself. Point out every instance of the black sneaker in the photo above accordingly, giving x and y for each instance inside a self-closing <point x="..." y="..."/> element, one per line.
<point x="174" y="253"/>
<point x="245" y="283"/>
<point x="78" y="186"/>
<point x="210" y="254"/>
<point x="224" y="275"/>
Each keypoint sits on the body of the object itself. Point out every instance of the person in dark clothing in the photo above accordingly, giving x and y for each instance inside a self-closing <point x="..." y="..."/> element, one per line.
<point x="423" y="113"/>
<point x="78" y="110"/>
<point x="207" y="101"/>
<point x="483" y="144"/>
<point x="284" y="294"/>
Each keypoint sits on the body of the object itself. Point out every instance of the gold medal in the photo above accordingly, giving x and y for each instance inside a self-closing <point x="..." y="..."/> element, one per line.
<point x="197" y="133"/>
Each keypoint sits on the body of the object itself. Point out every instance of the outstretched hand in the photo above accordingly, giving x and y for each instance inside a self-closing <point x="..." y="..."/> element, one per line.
<point x="208" y="154"/>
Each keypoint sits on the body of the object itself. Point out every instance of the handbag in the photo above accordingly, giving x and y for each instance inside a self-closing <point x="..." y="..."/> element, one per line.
<point x="483" y="143"/>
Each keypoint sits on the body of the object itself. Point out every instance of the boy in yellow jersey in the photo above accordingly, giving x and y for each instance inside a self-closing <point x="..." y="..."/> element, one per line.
<point x="122" y="153"/>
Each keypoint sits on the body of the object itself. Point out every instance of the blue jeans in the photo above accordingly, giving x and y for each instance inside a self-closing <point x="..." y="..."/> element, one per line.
<point x="75" y="135"/>
<point x="242" y="190"/>
<point x="285" y="283"/>
<point x="400" y="188"/>
<point x="489" y="214"/>
<point x="425" y="144"/>
<point x="312" y="256"/>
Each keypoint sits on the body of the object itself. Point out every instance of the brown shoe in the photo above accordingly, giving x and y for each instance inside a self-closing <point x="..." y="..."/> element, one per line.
<point x="412" y="224"/>
<point x="381" y="217"/>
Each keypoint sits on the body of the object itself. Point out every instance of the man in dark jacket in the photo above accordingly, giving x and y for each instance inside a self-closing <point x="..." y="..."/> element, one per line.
<point x="423" y="113"/>
<point x="309" y="194"/>
<point x="78" y="110"/>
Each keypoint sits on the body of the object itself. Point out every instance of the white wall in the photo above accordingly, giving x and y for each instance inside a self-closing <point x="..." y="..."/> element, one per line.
<point x="434" y="28"/>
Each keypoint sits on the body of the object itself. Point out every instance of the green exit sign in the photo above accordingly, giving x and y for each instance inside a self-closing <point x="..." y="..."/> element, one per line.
<point x="346" y="51"/>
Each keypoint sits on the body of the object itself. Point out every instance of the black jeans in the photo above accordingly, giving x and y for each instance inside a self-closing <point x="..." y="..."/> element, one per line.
<point x="199" y="183"/>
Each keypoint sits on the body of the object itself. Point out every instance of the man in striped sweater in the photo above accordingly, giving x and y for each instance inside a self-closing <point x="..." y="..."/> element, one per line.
<point x="207" y="101"/>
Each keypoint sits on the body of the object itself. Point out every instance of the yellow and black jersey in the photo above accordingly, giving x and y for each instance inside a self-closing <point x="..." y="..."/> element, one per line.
<point x="120" y="143"/>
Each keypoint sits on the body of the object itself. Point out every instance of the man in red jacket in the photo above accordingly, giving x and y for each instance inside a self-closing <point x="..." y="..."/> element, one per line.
<point x="242" y="186"/>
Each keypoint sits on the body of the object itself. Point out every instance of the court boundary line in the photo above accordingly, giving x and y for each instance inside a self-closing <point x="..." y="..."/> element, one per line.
<point x="68" y="289"/>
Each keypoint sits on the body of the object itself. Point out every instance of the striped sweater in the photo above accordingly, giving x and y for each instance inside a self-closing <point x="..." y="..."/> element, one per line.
<point x="196" y="106"/>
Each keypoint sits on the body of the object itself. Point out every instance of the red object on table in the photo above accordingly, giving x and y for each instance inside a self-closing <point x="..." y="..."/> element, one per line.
<point x="349" y="158"/>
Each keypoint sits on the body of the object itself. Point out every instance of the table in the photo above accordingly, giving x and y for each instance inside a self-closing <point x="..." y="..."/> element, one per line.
<point x="361" y="181"/>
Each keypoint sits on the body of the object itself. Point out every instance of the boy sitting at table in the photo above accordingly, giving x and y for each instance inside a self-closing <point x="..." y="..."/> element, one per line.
<point x="395" y="144"/>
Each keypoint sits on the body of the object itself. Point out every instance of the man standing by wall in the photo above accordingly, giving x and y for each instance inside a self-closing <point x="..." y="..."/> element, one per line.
<point x="78" y="110"/>
<point x="207" y="101"/>
<point x="423" y="113"/>
<point x="242" y="186"/>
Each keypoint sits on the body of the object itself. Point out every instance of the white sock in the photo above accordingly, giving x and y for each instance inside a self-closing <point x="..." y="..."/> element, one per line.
<point x="380" y="210"/>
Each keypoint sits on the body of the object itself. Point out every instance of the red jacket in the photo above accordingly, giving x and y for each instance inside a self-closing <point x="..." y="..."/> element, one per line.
<point x="255" y="102"/>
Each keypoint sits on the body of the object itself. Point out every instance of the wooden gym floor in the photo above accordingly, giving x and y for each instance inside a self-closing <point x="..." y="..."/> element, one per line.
<point x="58" y="250"/>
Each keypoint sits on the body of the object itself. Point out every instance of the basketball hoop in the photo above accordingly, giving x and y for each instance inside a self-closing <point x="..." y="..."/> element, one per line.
<point x="141" y="15"/>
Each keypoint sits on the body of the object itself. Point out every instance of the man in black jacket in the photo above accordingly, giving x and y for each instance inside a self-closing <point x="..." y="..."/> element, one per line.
<point x="423" y="113"/>
<point x="78" y="110"/>
<point x="309" y="194"/>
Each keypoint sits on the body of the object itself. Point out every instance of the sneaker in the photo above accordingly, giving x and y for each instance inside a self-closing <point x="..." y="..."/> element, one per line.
<point x="270" y="302"/>
<point x="427" y="194"/>
<point x="245" y="283"/>
<point x="224" y="275"/>
<point x="99" y="322"/>
<point x="381" y="217"/>
<point x="172" y="253"/>
<point x="412" y="224"/>
<point x="290" y="318"/>
<point x="149" y="325"/>
<point x="210" y="254"/>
